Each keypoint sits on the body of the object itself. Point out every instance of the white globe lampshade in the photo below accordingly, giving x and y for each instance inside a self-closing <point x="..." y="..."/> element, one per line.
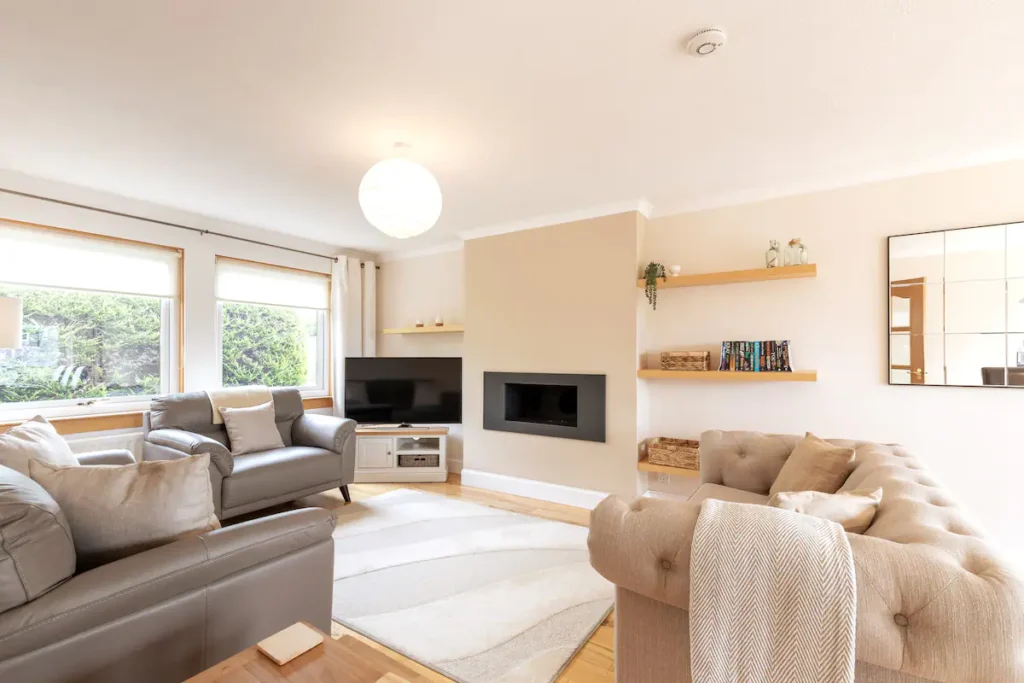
<point x="400" y="198"/>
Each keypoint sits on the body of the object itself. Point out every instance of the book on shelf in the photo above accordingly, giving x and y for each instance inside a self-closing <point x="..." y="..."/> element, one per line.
<point x="755" y="356"/>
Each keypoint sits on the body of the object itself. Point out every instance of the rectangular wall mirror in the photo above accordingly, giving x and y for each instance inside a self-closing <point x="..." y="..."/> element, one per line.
<point x="956" y="307"/>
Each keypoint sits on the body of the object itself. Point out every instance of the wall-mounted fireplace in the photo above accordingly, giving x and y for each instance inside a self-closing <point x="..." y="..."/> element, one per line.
<point x="547" y="404"/>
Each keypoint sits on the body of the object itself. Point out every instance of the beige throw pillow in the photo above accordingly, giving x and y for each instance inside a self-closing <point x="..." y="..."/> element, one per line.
<point x="119" y="510"/>
<point x="34" y="439"/>
<point x="854" y="510"/>
<point x="251" y="429"/>
<point x="814" y="465"/>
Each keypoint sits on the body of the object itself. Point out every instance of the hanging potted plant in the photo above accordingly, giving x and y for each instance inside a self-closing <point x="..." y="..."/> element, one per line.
<point x="651" y="274"/>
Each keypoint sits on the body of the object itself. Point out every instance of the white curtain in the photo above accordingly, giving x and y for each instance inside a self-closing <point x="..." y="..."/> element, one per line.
<point x="353" y="309"/>
<point x="369" y="309"/>
<point x="339" y="314"/>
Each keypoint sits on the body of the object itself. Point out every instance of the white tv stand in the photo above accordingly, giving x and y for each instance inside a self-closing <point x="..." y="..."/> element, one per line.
<point x="388" y="453"/>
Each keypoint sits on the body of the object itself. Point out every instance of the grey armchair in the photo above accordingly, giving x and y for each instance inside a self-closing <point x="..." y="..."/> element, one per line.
<point x="319" y="451"/>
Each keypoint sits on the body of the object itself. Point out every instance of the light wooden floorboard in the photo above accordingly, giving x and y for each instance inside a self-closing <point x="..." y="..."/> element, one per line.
<point x="594" y="663"/>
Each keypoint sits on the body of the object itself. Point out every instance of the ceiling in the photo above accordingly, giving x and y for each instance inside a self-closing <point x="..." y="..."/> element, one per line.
<point x="268" y="113"/>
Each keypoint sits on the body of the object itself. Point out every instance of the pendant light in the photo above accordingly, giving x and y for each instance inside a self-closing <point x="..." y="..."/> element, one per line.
<point x="400" y="197"/>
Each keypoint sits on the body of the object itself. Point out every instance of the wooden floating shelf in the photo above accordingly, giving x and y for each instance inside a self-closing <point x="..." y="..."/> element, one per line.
<point x="731" y="376"/>
<point x="647" y="466"/>
<point x="736" y="276"/>
<point x="427" y="329"/>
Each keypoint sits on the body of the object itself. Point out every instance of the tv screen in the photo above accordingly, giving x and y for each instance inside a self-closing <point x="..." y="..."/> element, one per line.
<point x="397" y="390"/>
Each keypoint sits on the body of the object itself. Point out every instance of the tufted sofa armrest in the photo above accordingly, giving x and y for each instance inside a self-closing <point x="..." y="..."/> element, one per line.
<point x="926" y="612"/>
<point x="645" y="546"/>
<point x="191" y="443"/>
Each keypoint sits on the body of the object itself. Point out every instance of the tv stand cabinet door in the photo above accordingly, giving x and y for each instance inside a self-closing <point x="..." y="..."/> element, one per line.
<point x="375" y="452"/>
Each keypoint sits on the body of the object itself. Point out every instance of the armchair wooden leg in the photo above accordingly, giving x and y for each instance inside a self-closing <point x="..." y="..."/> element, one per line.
<point x="344" y="494"/>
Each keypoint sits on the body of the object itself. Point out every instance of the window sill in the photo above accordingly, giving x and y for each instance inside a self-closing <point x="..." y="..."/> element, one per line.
<point x="131" y="419"/>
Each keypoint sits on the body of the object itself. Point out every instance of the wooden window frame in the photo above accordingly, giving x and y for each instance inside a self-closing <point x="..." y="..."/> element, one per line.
<point x="180" y="296"/>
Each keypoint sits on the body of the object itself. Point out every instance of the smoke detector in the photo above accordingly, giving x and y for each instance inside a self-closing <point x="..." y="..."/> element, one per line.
<point x="706" y="42"/>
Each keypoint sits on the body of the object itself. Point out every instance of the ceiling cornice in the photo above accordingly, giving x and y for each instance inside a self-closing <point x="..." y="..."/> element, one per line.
<point x="639" y="205"/>
<point x="390" y="256"/>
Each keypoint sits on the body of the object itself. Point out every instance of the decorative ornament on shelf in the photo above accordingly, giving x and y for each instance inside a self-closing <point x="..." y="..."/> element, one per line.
<point x="651" y="274"/>
<point x="675" y="270"/>
<point x="400" y="197"/>
<point x="437" y="321"/>
<point x="771" y="257"/>
<point x="419" y="323"/>
<point x="796" y="253"/>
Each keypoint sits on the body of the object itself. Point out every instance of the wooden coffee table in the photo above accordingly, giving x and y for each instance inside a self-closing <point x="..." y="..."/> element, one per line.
<point x="336" y="661"/>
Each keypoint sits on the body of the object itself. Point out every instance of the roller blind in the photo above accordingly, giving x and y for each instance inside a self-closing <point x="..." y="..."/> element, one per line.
<point x="52" y="258"/>
<point x="251" y="283"/>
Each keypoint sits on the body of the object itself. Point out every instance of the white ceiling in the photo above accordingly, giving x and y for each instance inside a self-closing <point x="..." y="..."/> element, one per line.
<point x="268" y="113"/>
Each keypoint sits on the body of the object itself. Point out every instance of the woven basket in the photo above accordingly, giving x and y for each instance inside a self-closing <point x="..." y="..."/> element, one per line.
<point x="682" y="453"/>
<point x="686" y="360"/>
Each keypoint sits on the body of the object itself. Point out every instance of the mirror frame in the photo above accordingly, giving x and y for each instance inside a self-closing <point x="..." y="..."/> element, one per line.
<point x="889" y="310"/>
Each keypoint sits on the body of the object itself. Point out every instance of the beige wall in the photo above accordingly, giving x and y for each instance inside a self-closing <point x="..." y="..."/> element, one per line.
<point x="419" y="289"/>
<point x="970" y="438"/>
<point x="555" y="299"/>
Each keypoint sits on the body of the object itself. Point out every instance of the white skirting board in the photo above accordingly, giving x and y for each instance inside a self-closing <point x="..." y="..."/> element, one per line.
<point x="530" y="488"/>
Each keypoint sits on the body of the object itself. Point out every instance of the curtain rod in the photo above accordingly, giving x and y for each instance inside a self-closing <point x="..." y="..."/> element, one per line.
<point x="159" y="222"/>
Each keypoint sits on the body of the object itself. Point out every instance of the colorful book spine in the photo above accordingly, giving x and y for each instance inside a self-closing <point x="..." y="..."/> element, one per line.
<point x="755" y="356"/>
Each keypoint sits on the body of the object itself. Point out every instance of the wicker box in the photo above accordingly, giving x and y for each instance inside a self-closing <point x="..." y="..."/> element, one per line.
<point x="414" y="460"/>
<point x="683" y="453"/>
<point x="686" y="360"/>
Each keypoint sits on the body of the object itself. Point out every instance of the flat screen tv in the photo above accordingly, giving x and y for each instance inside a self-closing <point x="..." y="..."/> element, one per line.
<point x="404" y="390"/>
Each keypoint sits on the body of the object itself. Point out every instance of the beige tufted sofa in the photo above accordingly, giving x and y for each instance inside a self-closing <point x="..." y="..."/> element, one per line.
<point x="934" y="601"/>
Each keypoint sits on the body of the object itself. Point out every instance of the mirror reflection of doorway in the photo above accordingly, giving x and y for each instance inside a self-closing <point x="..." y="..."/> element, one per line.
<point x="907" y="311"/>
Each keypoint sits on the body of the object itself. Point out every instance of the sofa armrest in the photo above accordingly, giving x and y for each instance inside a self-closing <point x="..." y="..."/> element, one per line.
<point x="115" y="456"/>
<point x="191" y="443"/>
<point x="116" y="590"/>
<point x="323" y="431"/>
<point x="645" y="546"/>
<point x="945" y="616"/>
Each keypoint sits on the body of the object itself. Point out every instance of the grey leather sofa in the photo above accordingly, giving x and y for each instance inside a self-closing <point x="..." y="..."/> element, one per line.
<point x="168" y="613"/>
<point x="319" y="452"/>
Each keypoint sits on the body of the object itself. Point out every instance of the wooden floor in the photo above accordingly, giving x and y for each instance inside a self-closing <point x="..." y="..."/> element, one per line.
<point x="595" y="663"/>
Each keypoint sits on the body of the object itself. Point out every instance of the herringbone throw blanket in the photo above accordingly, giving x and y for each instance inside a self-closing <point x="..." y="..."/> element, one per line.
<point x="772" y="597"/>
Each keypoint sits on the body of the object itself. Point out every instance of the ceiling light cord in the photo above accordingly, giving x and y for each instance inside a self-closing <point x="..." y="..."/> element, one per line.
<point x="179" y="226"/>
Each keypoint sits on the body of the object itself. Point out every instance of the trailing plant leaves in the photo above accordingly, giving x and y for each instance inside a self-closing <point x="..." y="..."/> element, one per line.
<point x="652" y="272"/>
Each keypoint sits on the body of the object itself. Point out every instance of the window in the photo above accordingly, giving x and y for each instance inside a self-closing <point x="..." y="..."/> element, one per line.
<point x="273" y="325"/>
<point x="100" y="321"/>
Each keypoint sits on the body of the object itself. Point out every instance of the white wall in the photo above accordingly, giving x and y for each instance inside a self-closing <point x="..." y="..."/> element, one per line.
<point x="970" y="438"/>
<point x="421" y="288"/>
<point x="201" y="369"/>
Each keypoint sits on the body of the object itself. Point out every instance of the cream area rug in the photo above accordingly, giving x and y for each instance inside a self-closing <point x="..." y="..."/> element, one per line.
<point x="478" y="594"/>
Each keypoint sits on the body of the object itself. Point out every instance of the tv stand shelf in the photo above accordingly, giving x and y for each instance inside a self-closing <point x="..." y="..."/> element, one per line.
<point x="381" y="450"/>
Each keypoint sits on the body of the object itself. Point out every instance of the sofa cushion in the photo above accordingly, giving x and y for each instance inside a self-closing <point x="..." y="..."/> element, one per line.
<point x="251" y="429"/>
<point x="814" y="465"/>
<point x="35" y="438"/>
<point x="119" y="510"/>
<point x="853" y="510"/>
<point x="716" y="492"/>
<point x="269" y="474"/>
<point x="36" y="550"/>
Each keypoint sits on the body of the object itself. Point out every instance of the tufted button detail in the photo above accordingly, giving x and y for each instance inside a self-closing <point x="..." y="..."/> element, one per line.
<point x="666" y="564"/>
<point x="900" y="620"/>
